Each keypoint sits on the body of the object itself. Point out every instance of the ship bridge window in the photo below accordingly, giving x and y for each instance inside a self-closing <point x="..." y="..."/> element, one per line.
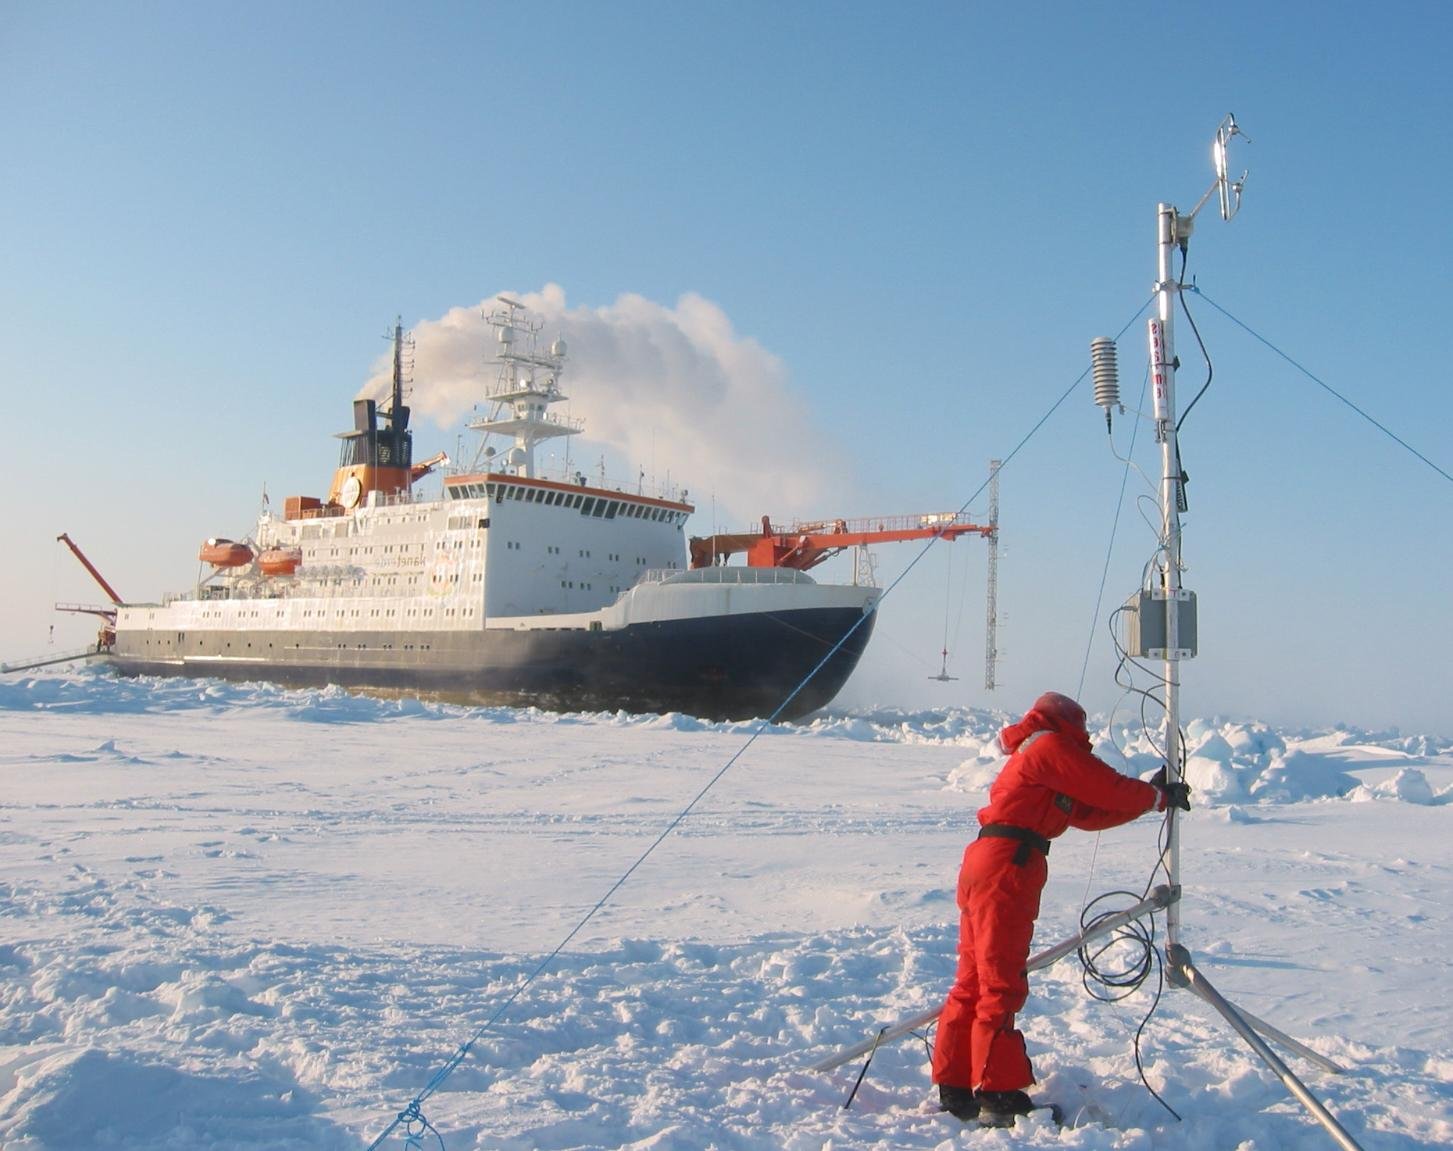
<point x="587" y="507"/>
<point x="611" y="509"/>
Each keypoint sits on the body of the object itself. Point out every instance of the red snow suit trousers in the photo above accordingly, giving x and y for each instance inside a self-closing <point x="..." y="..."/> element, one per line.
<point x="977" y="1046"/>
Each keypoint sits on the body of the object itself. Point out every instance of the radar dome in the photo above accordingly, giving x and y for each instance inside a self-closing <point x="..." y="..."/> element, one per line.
<point x="557" y="348"/>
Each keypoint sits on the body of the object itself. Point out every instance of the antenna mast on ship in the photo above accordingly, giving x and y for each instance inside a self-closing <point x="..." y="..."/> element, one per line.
<point x="528" y="384"/>
<point x="397" y="405"/>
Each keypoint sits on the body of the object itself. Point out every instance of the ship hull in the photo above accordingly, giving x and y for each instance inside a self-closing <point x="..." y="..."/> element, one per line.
<point x="785" y="663"/>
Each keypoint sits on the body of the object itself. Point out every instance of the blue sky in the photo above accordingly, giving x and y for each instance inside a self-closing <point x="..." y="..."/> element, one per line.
<point x="922" y="214"/>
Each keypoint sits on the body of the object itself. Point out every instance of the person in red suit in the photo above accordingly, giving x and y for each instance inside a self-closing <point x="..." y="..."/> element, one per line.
<point x="1051" y="781"/>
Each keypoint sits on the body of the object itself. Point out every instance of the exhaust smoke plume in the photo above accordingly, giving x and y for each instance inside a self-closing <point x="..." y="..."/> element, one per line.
<point x="670" y="390"/>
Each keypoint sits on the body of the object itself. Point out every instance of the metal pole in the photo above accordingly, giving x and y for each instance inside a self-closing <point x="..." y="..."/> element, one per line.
<point x="1163" y="379"/>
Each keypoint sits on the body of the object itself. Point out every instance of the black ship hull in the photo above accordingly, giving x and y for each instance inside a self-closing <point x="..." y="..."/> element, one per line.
<point x="785" y="664"/>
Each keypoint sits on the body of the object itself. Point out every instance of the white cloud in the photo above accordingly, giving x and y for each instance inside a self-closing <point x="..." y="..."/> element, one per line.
<point x="669" y="389"/>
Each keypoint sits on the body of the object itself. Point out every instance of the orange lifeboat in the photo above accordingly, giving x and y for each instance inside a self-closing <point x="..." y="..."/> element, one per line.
<point x="225" y="553"/>
<point x="280" y="561"/>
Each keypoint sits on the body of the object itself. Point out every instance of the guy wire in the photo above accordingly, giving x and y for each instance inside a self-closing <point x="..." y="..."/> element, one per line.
<point x="1320" y="383"/>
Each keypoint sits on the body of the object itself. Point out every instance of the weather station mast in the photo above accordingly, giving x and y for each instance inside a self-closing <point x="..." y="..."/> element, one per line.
<point x="1160" y="624"/>
<point x="1161" y="617"/>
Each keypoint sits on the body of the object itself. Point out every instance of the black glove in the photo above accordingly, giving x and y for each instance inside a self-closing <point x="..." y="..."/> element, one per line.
<point x="1158" y="779"/>
<point x="1176" y="795"/>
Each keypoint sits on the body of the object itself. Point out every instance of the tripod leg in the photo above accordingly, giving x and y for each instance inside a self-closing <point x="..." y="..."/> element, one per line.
<point x="1184" y="974"/>
<point x="1161" y="897"/>
<point x="1292" y="1045"/>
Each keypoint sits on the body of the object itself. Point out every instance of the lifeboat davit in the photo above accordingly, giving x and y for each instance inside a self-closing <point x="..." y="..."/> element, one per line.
<point x="280" y="561"/>
<point x="225" y="553"/>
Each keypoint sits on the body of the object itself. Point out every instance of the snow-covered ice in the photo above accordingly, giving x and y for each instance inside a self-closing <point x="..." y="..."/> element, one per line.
<point x="241" y="917"/>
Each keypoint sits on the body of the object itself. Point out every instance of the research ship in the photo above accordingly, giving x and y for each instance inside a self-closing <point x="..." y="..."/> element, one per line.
<point x="505" y="587"/>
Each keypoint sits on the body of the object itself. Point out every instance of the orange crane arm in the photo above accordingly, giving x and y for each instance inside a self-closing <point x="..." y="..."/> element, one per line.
<point x="805" y="545"/>
<point x="90" y="567"/>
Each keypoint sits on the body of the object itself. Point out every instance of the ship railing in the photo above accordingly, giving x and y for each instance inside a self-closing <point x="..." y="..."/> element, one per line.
<point x="872" y="524"/>
<point x="271" y="589"/>
<point x="640" y="485"/>
<point x="725" y="574"/>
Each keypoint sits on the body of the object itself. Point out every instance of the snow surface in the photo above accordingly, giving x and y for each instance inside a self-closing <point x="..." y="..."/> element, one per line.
<point x="241" y="917"/>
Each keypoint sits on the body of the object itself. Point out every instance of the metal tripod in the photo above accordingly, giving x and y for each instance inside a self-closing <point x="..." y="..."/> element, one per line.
<point x="1173" y="231"/>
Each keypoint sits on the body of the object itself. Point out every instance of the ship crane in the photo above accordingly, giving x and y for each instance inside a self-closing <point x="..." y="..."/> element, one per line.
<point x="107" y="635"/>
<point x="805" y="545"/>
<point x="63" y="538"/>
<point x="105" y="638"/>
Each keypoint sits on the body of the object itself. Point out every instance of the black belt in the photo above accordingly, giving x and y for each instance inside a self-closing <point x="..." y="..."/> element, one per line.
<point x="1026" y="838"/>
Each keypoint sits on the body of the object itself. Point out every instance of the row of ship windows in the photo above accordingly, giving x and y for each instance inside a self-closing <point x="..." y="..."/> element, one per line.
<point x="586" y="505"/>
<point x="328" y="531"/>
<point x="341" y="647"/>
<point x="354" y="613"/>
<point x="446" y="545"/>
<point x="388" y="549"/>
<point x="182" y="635"/>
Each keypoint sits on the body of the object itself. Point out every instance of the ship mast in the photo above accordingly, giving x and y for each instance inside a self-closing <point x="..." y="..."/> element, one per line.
<point x="397" y="415"/>
<point x="528" y="384"/>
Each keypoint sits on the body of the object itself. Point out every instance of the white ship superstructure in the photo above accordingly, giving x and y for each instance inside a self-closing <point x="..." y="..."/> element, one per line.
<point x="506" y="586"/>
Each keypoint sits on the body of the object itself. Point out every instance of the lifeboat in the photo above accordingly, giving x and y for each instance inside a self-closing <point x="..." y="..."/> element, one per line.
<point x="280" y="561"/>
<point x="225" y="553"/>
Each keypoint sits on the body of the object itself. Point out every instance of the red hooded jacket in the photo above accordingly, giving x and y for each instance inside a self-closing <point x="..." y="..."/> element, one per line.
<point x="1052" y="781"/>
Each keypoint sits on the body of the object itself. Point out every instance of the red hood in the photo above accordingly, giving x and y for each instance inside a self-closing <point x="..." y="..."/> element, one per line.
<point x="1051" y="712"/>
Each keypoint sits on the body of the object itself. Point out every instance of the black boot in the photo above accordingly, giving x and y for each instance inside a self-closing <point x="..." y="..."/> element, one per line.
<point x="960" y="1102"/>
<point x="1001" y="1108"/>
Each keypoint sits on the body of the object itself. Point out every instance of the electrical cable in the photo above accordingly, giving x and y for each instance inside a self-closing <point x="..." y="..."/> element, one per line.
<point x="1134" y="943"/>
<point x="1205" y="355"/>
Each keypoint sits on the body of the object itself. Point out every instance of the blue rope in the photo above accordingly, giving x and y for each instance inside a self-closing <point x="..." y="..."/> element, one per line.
<point x="412" y="1116"/>
<point x="1320" y="383"/>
